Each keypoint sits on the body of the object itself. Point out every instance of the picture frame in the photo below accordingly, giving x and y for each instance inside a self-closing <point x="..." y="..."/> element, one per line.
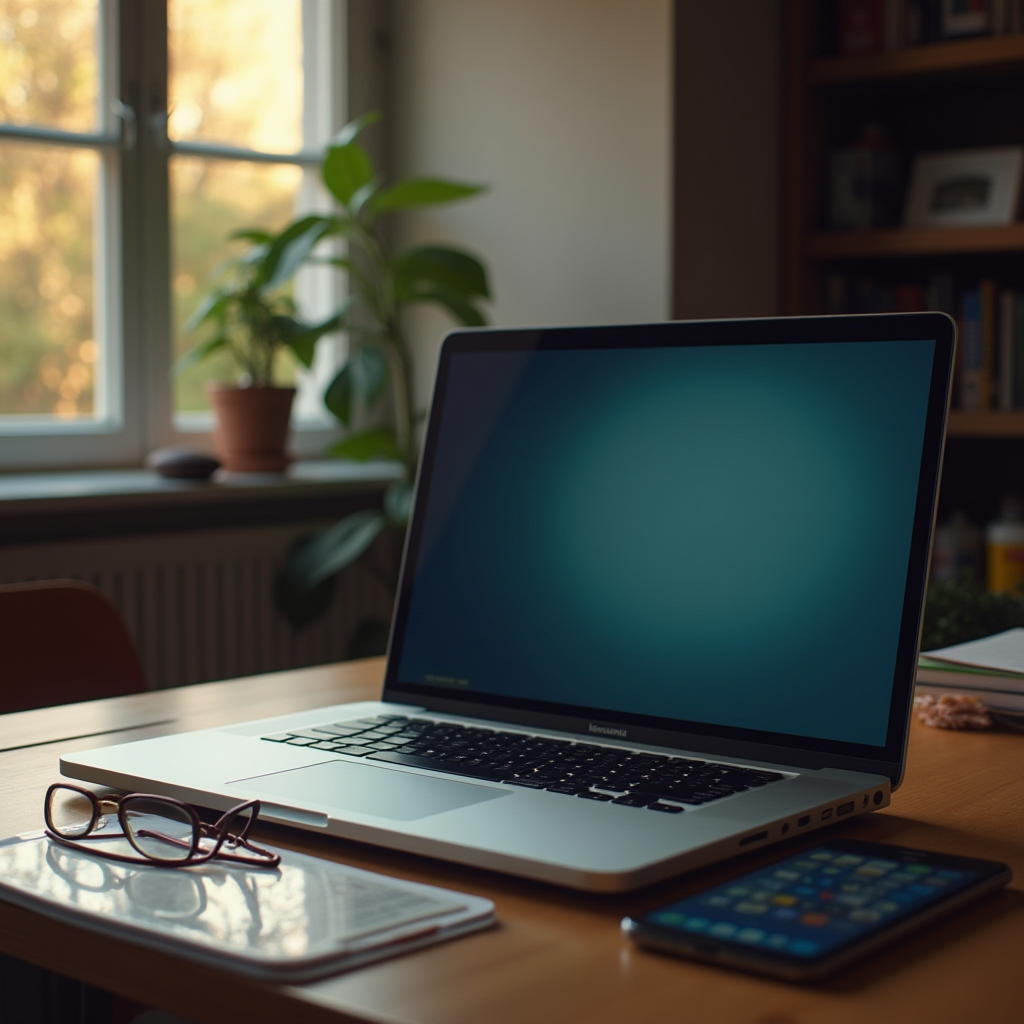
<point x="965" y="188"/>
<point x="962" y="18"/>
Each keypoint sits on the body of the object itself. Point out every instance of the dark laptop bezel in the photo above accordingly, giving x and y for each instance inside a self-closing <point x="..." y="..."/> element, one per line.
<point x="720" y="741"/>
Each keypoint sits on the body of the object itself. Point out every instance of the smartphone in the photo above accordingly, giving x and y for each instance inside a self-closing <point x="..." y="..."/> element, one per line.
<point x="808" y="915"/>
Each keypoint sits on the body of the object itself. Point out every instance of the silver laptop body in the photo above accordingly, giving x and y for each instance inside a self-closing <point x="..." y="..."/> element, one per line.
<point x="660" y="604"/>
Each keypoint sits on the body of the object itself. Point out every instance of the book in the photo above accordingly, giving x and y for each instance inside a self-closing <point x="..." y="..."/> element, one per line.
<point x="972" y="352"/>
<point x="861" y="26"/>
<point x="894" y="18"/>
<point x="1007" y="378"/>
<point x="1001" y="652"/>
<point x="941" y="673"/>
<point x="987" y="291"/>
<point x="991" y="669"/>
<point x="995" y="700"/>
<point x="1018" y="350"/>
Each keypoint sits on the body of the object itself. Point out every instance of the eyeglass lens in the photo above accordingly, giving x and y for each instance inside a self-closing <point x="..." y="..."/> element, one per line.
<point x="70" y="812"/>
<point x="160" y="830"/>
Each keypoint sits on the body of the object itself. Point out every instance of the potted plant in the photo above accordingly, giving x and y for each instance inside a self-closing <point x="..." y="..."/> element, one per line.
<point x="253" y="318"/>
<point x="381" y="285"/>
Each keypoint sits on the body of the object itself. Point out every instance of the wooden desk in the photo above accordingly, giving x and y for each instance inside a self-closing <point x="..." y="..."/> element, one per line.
<point x="557" y="955"/>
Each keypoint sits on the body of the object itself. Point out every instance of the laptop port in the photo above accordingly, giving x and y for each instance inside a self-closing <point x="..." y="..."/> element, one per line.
<point x="878" y="798"/>
<point x="846" y="808"/>
<point x="755" y="838"/>
<point x="825" y="815"/>
<point x="805" y="820"/>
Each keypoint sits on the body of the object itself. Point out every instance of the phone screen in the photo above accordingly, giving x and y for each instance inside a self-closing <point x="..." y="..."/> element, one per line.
<point x="813" y="904"/>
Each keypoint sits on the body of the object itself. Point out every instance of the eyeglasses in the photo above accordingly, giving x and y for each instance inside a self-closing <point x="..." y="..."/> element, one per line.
<point x="160" y="829"/>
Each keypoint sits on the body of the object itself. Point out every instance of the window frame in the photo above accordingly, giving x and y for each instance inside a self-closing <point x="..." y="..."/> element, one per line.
<point x="132" y="269"/>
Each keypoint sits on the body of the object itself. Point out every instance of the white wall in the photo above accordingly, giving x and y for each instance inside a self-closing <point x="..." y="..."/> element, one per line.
<point x="563" y="107"/>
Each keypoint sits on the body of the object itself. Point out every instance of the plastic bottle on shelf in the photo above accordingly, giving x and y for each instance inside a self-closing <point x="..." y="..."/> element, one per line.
<point x="1004" y="543"/>
<point x="957" y="548"/>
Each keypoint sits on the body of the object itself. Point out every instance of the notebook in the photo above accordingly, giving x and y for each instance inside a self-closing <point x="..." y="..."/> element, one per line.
<point x="660" y="603"/>
<point x="306" y="918"/>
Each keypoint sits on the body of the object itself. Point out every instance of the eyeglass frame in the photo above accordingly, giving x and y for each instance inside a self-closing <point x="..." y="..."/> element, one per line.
<point x="200" y="830"/>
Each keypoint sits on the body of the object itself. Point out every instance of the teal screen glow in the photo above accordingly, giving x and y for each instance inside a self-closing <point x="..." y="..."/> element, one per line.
<point x="710" y="534"/>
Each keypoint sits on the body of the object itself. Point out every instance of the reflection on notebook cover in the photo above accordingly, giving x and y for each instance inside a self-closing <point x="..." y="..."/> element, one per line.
<point x="308" y="918"/>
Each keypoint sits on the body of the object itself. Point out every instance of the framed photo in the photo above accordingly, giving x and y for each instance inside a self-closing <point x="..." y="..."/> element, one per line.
<point x="966" y="18"/>
<point x="965" y="188"/>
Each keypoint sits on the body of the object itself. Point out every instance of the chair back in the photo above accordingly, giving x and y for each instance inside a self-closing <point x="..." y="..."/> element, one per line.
<point x="62" y="641"/>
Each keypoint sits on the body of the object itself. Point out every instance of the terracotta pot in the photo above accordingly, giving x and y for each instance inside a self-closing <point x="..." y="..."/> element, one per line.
<point x="251" y="432"/>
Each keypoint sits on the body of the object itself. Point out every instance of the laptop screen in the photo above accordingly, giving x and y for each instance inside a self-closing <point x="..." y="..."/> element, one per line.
<point x="714" y="534"/>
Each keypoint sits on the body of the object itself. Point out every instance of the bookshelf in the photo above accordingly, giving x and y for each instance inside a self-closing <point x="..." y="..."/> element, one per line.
<point x="930" y="97"/>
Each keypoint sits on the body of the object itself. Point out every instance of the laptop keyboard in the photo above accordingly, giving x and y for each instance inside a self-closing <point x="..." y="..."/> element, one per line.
<point x="631" y="778"/>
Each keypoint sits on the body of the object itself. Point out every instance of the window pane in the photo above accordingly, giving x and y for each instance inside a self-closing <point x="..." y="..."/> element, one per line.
<point x="236" y="73"/>
<point x="49" y="352"/>
<point x="48" y="64"/>
<point x="210" y="199"/>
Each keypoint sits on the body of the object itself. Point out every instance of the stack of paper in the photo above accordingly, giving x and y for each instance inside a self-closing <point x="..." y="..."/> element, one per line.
<point x="991" y="669"/>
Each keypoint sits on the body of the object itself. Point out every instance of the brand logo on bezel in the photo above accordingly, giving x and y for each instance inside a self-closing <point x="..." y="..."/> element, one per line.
<point x="606" y="730"/>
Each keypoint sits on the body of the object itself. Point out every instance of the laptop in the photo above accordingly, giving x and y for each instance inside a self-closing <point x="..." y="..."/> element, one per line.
<point x="660" y="604"/>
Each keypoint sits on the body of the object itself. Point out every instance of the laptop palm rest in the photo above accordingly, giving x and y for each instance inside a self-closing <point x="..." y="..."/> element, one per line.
<point x="368" y="789"/>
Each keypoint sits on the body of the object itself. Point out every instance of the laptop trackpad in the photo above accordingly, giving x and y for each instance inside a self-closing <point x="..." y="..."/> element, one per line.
<point x="368" y="789"/>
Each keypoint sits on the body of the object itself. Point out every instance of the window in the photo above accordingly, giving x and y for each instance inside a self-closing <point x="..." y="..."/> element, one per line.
<point x="134" y="136"/>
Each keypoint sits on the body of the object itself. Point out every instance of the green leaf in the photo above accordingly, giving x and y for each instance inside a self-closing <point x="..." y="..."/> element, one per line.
<point x="369" y="372"/>
<point x="364" y="194"/>
<point x="355" y="273"/>
<point x="348" y="134"/>
<point x="461" y="308"/>
<point x="375" y="443"/>
<point x="398" y="501"/>
<point x="294" y="252"/>
<point x="303" y="605"/>
<point x="450" y="268"/>
<point x="202" y="351"/>
<point x="208" y="309"/>
<point x="301" y="338"/>
<point x="422" y="192"/>
<point x="304" y="587"/>
<point x="256" y="235"/>
<point x="340" y="546"/>
<point x="275" y="252"/>
<point x="338" y="396"/>
<point x="346" y="170"/>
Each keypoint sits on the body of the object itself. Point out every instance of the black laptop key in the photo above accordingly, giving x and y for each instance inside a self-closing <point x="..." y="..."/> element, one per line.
<point x="525" y="783"/>
<point x="589" y="794"/>
<point x="665" y="808"/>
<point x="633" y="800"/>
<point x="437" y="765"/>
<point x="354" y="750"/>
<point x="336" y="730"/>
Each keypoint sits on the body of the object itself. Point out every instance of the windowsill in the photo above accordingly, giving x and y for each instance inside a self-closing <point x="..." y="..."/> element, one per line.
<point x="97" y="503"/>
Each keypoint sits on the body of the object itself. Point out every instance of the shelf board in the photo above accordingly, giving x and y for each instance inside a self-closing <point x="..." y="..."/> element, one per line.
<point x="825" y="245"/>
<point x="986" y="424"/>
<point x="933" y="58"/>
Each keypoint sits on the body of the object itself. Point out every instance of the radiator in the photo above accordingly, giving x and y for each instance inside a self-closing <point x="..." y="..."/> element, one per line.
<point x="199" y="605"/>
